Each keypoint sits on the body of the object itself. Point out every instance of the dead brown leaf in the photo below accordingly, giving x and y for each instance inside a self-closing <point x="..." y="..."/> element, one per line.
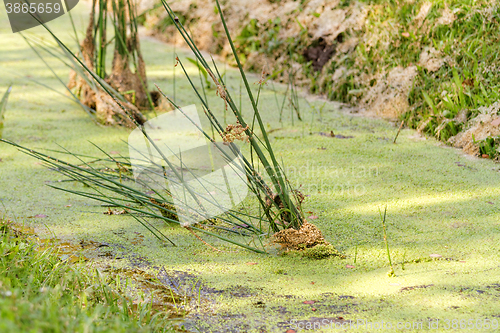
<point x="495" y="122"/>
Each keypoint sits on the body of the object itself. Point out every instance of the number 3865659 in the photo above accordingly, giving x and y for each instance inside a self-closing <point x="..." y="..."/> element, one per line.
<point x="33" y="8"/>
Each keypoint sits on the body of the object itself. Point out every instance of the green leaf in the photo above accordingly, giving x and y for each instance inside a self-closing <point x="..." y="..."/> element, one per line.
<point x="429" y="101"/>
<point x="201" y="69"/>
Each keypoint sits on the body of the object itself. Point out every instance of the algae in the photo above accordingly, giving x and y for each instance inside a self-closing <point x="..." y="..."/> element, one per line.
<point x="321" y="251"/>
<point x="439" y="201"/>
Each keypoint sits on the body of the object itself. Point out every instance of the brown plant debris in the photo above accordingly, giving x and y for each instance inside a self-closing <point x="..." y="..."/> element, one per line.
<point x="306" y="237"/>
<point x="431" y="59"/>
<point x="235" y="132"/>
<point x="483" y="126"/>
<point x="115" y="212"/>
<point x="388" y="98"/>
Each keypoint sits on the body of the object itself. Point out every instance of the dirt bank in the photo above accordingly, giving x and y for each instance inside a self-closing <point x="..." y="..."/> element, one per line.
<point x="381" y="57"/>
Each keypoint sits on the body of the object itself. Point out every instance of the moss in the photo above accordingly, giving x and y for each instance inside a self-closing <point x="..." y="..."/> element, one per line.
<point x="321" y="251"/>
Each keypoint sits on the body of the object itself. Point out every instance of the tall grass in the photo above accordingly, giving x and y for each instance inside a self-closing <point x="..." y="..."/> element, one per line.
<point x="280" y="191"/>
<point x="128" y="87"/>
<point x="41" y="293"/>
<point x="278" y="204"/>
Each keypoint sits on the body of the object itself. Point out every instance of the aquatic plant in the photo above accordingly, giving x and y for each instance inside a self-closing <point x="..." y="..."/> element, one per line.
<point x="278" y="204"/>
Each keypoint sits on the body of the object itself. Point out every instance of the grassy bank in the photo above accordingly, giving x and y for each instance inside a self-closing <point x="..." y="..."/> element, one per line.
<point x="41" y="293"/>
<point x="430" y="63"/>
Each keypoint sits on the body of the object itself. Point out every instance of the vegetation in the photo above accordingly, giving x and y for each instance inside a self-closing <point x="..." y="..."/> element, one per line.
<point x="430" y="63"/>
<point x="279" y="196"/>
<point x="279" y="203"/>
<point x="41" y="293"/>
<point x="121" y="83"/>
<point x="445" y="97"/>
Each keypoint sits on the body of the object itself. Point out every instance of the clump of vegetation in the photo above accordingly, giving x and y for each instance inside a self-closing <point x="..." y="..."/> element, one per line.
<point x="307" y="236"/>
<point x="308" y="241"/>
<point x="127" y="53"/>
<point x="278" y="195"/>
<point x="120" y="83"/>
<point x="277" y="203"/>
<point x="41" y="293"/>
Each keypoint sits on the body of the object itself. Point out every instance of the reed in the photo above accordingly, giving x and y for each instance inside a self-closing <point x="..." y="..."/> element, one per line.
<point x="248" y="227"/>
<point x="3" y="108"/>
<point x="391" y="272"/>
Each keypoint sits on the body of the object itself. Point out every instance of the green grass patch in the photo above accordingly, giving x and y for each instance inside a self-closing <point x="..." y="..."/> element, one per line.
<point x="41" y="293"/>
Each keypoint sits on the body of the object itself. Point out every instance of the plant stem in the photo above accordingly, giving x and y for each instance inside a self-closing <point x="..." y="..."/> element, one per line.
<point x="391" y="273"/>
<point x="399" y="130"/>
